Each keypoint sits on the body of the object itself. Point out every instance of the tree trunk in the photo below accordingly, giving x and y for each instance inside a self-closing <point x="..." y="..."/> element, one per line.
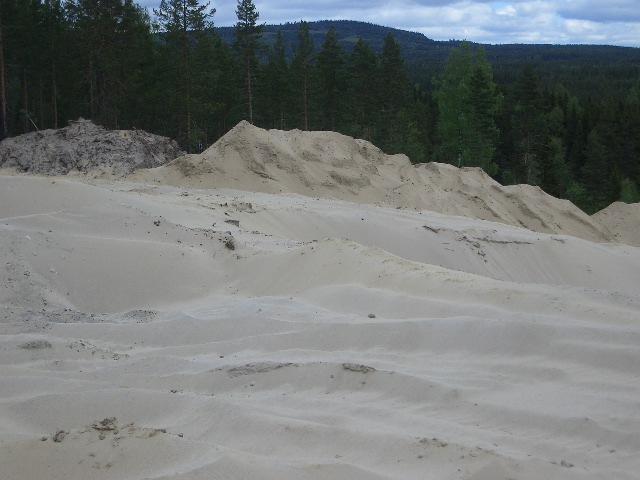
<point x="4" y="129"/>
<point x="187" y="70"/>
<point x="41" y="102"/>
<point x="249" y="93"/>
<point x="91" y="91"/>
<point x="54" y="95"/>
<point x="25" y="100"/>
<point x="305" y="101"/>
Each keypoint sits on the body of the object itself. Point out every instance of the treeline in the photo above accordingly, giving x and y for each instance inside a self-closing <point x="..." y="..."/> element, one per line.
<point x="170" y="73"/>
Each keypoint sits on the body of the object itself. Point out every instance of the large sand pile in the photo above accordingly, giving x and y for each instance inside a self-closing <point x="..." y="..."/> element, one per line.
<point x="153" y="331"/>
<point x="86" y="147"/>
<point x="326" y="340"/>
<point x="623" y="220"/>
<point x="331" y="165"/>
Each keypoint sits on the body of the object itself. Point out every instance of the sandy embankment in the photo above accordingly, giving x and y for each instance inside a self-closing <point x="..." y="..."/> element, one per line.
<point x="337" y="339"/>
<point x="623" y="220"/>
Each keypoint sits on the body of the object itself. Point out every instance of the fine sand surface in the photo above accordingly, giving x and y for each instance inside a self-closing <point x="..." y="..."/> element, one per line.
<point x="623" y="220"/>
<point x="143" y="336"/>
<point x="331" y="165"/>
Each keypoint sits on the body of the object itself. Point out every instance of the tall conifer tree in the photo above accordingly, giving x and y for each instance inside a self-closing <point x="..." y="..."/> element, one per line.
<point x="180" y="20"/>
<point x="362" y="89"/>
<point x="248" y="34"/>
<point x="302" y="65"/>
<point x="331" y="73"/>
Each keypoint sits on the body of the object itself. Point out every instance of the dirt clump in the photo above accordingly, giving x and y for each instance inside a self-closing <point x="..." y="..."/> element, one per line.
<point x="86" y="147"/>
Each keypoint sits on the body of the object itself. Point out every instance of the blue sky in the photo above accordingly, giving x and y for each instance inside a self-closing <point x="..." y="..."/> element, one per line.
<point x="615" y="22"/>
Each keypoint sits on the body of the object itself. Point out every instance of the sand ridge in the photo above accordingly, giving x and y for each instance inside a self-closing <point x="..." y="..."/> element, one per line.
<point x="299" y="305"/>
<point x="623" y="220"/>
<point x="335" y="340"/>
<point x="331" y="165"/>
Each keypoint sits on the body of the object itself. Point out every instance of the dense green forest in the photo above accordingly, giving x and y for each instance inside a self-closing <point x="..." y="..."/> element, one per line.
<point x="564" y="118"/>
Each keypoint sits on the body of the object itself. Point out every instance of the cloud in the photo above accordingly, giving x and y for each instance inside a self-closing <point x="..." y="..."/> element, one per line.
<point x="601" y="11"/>
<point x="614" y="22"/>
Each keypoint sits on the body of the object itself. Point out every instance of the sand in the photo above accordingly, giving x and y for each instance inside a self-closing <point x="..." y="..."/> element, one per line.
<point x="331" y="165"/>
<point x="150" y="331"/>
<point x="299" y="305"/>
<point x="623" y="220"/>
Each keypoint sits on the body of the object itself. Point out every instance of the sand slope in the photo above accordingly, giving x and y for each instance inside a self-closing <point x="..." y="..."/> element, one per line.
<point x="623" y="220"/>
<point x="331" y="165"/>
<point x="336" y="340"/>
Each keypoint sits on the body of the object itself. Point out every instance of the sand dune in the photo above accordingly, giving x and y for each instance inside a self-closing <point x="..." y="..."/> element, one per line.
<point x="623" y="220"/>
<point x="331" y="165"/>
<point x="151" y="331"/>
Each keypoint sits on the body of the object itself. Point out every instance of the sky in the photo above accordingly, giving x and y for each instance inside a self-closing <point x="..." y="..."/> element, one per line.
<point x="614" y="22"/>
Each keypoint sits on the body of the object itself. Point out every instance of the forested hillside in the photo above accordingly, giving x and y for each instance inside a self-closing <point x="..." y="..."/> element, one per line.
<point x="583" y="68"/>
<point x="566" y="118"/>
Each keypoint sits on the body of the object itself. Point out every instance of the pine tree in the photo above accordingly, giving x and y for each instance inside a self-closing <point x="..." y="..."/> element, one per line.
<point x="468" y="104"/>
<point x="556" y="176"/>
<point x="629" y="192"/>
<point x="4" y="127"/>
<point x="575" y="138"/>
<point x="393" y="96"/>
<point x="362" y="90"/>
<point x="277" y="84"/>
<point x="179" y="20"/>
<point x="484" y="102"/>
<point x="247" y="37"/>
<point x="54" y="26"/>
<point x="331" y="76"/>
<point x="629" y="135"/>
<point x="597" y="175"/>
<point x="302" y="66"/>
<point x="529" y="128"/>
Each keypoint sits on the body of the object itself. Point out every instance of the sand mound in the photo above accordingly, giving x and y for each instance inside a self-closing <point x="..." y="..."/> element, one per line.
<point x="623" y="220"/>
<point x="86" y="147"/>
<point x="337" y="340"/>
<point x="331" y="165"/>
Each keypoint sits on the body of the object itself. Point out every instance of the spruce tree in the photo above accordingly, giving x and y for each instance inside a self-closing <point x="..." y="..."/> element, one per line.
<point x="247" y="37"/>
<point x="362" y="91"/>
<point x="597" y="175"/>
<point x="393" y="95"/>
<point x="468" y="103"/>
<point x="179" y="20"/>
<point x="4" y="125"/>
<point x="331" y="76"/>
<point x="484" y="102"/>
<point x="302" y="63"/>
<point x="277" y="84"/>
<point x="529" y="128"/>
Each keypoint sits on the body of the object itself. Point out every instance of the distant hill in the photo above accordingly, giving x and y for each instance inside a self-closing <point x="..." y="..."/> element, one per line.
<point x="581" y="67"/>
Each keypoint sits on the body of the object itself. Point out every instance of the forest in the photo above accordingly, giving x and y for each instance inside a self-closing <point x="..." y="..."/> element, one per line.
<point x="171" y="71"/>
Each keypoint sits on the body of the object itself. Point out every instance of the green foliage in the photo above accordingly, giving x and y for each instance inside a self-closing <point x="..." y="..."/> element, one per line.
<point x="331" y="76"/>
<point x="601" y="187"/>
<point x="302" y="70"/>
<point x="570" y="125"/>
<point x="248" y="34"/>
<point x="556" y="175"/>
<point x="362" y="90"/>
<point x="276" y="87"/>
<point x="468" y="103"/>
<point x="247" y="30"/>
<point x="629" y="192"/>
<point x="393" y="96"/>
<point x="184" y="24"/>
